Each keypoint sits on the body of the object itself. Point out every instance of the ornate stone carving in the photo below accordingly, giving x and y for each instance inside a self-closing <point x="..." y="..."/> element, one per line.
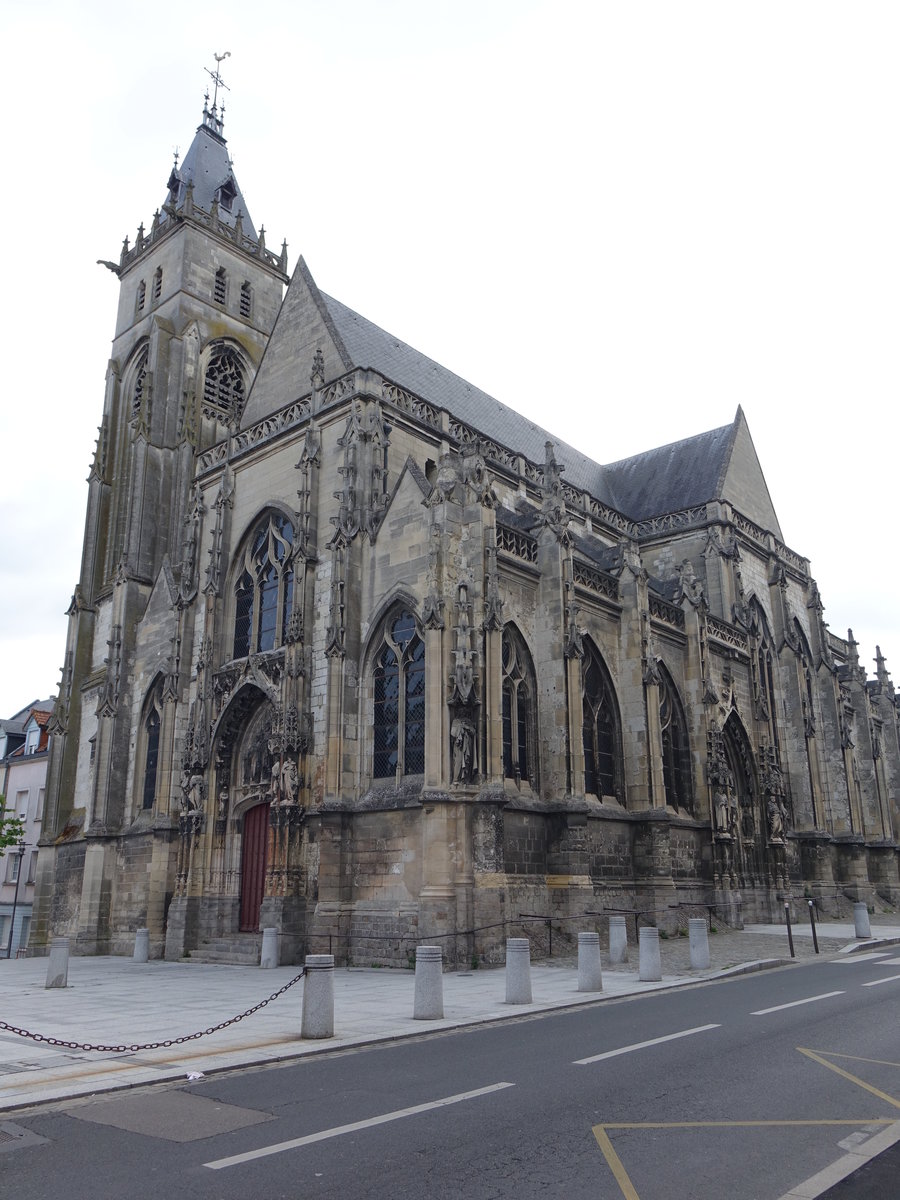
<point x="317" y="373"/>
<point x="108" y="699"/>
<point x="224" y="501"/>
<point x="493" y="604"/>
<point x="554" y="514"/>
<point x="189" y="543"/>
<point x="433" y="605"/>
<point x="335" y="633"/>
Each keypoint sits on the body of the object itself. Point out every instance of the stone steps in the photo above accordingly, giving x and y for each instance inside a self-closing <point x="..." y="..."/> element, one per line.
<point x="241" y="950"/>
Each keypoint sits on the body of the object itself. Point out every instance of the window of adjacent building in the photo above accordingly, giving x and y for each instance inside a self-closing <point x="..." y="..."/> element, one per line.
<point x="220" y="286"/>
<point x="13" y="862"/>
<point x="39" y="815"/>
<point x="24" y="931"/>
<point x="398" y="724"/>
<point x="32" y="867"/>
<point x="223" y="385"/>
<point x="4" y="931"/>
<point x="157" y="283"/>
<point x="264" y="590"/>
<point x="32" y="740"/>
<point x="600" y="729"/>
<point x="141" y="296"/>
<point x="518" y="708"/>
<point x="22" y="804"/>
<point x="675" y="747"/>
<point x="246" y="300"/>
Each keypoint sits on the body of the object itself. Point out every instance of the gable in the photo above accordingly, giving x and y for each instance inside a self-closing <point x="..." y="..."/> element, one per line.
<point x="302" y="327"/>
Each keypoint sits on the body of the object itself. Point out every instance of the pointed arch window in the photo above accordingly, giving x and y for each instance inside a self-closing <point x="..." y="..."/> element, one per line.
<point x="157" y="283"/>
<point x="151" y="724"/>
<point x="223" y="385"/>
<point x="675" y="746"/>
<point x="141" y="296"/>
<point x="264" y="590"/>
<point x="601" y="729"/>
<point x="518" y="708"/>
<point x="398" y="678"/>
<point x="220" y="286"/>
<point x="139" y="391"/>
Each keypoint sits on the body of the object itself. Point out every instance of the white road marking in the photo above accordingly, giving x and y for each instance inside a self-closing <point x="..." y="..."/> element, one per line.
<point x="339" y="1130"/>
<point x="887" y="979"/>
<point x="761" y="1012"/>
<point x="890" y="962"/>
<point x="670" y="1037"/>
<point x="858" y="958"/>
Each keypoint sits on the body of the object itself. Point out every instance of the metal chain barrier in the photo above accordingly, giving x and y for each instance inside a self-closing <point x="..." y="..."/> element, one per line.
<point x="178" y="1041"/>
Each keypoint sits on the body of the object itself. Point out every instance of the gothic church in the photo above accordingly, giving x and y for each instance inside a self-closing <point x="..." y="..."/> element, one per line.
<point x="359" y="653"/>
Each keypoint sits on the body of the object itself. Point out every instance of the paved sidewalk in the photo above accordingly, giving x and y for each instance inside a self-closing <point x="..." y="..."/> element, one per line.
<point x="116" y="1001"/>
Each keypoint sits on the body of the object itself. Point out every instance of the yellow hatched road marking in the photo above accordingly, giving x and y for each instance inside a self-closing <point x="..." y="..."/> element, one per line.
<point x="846" y="1075"/>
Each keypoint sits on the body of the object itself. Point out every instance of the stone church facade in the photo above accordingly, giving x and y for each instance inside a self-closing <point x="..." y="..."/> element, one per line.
<point x="360" y="653"/>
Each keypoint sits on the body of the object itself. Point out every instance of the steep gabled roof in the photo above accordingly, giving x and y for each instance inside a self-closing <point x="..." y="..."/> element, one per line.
<point x="719" y="464"/>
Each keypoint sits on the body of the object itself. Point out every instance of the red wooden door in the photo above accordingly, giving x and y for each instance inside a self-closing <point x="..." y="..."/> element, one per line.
<point x="253" y="865"/>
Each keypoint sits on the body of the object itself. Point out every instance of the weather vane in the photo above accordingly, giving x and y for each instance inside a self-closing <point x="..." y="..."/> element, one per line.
<point x="216" y="77"/>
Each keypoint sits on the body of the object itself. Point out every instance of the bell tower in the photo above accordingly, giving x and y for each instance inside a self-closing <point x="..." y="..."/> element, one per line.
<point x="198" y="296"/>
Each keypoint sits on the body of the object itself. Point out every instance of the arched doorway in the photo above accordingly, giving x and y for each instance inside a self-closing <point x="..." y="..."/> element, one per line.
<point x="254" y="845"/>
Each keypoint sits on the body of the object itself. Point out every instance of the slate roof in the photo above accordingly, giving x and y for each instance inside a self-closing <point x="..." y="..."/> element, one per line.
<point x="367" y="345"/>
<point x="671" y="477"/>
<point x="208" y="166"/>
<point x="663" y="480"/>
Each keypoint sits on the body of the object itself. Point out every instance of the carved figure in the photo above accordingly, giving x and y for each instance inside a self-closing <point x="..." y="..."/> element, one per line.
<point x="720" y="801"/>
<point x="463" y="734"/>
<point x="777" y="814"/>
<point x="290" y="781"/>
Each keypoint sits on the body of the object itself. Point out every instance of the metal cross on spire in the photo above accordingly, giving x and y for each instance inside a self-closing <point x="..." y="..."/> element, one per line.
<point x="216" y="77"/>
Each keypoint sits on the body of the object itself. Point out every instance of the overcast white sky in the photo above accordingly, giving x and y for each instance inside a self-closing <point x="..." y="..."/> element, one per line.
<point x="623" y="219"/>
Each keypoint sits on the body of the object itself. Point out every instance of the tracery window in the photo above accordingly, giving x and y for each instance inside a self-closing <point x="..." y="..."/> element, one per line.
<point x="675" y="746"/>
<point x="223" y="385"/>
<point x="518" y="708"/>
<point x="150" y="728"/>
<point x="140" y="383"/>
<point x="264" y="590"/>
<point x="398" y="724"/>
<point x="601" y="731"/>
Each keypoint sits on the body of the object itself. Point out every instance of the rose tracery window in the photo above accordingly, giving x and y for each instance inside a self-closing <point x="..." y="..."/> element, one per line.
<point x="264" y="591"/>
<point x="223" y="385"/>
<point x="518" y="708"/>
<point x="600" y="729"/>
<point x="398" y="724"/>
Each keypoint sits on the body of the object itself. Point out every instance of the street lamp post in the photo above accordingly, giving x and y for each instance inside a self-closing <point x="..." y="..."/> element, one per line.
<point x="20" y="850"/>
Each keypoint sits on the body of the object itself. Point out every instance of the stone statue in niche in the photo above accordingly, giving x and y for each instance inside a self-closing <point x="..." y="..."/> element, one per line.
<point x="777" y="815"/>
<point x="462" y="733"/>
<point x="193" y="789"/>
<point x="290" y="782"/>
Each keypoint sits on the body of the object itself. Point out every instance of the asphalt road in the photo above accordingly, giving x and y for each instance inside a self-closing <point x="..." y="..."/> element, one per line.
<point x="746" y="1088"/>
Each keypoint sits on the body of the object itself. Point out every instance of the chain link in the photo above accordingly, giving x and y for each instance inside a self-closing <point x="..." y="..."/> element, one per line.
<point x="178" y="1041"/>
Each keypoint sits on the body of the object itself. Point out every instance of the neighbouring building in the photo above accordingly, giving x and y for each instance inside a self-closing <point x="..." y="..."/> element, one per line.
<point x="24" y="744"/>
<point x="360" y="653"/>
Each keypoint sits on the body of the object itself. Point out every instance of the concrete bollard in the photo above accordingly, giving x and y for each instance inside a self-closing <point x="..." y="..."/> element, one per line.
<point x="141" y="945"/>
<point x="590" y="976"/>
<point x="318" y="997"/>
<point x="861" y="920"/>
<point x="269" y="954"/>
<point x="428" y="1004"/>
<point x="649" y="966"/>
<point x="518" y="971"/>
<point x="618" y="940"/>
<point x="699" y="939"/>
<point x="58" y="965"/>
